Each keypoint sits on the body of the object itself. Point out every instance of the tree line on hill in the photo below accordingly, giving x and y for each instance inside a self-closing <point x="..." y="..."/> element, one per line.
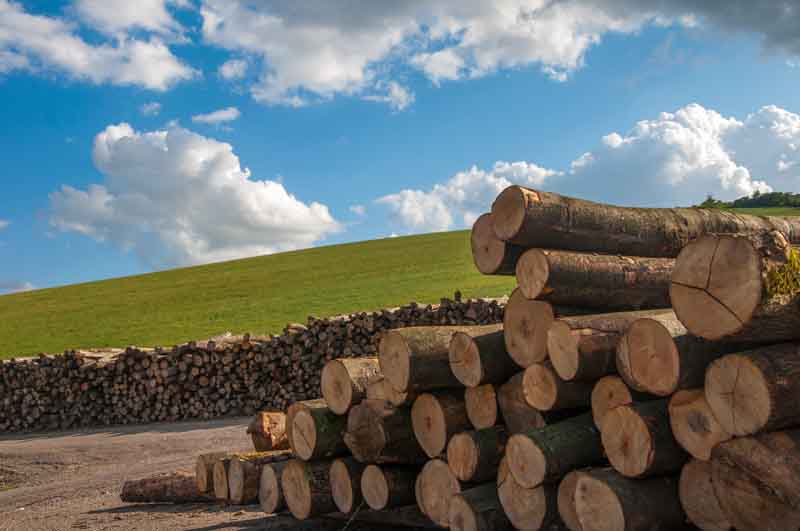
<point x="758" y="199"/>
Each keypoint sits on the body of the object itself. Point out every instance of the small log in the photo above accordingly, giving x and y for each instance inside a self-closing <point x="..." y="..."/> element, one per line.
<point x="694" y="425"/>
<point x="546" y="391"/>
<point x="435" y="486"/>
<point x="268" y="431"/>
<point x="481" y="404"/>
<point x="173" y="487"/>
<point x="204" y="471"/>
<point x="270" y="492"/>
<point x="345" y="477"/>
<point x="566" y="501"/>
<point x="492" y="256"/>
<point x="436" y="417"/>
<point x="382" y="436"/>
<point x="605" y="500"/>
<point x="475" y="455"/>
<point x="525" y="326"/>
<point x="220" y="476"/>
<point x="244" y="474"/>
<point x="317" y="433"/>
<point x="481" y="359"/>
<point x="292" y="410"/>
<point x="526" y="508"/>
<point x="344" y="382"/>
<point x="638" y="440"/>
<point x="388" y="486"/>
<point x="518" y="416"/>
<point x="589" y="280"/>
<point x="611" y="392"/>
<point x="478" y="509"/>
<point x="547" y="454"/>
<point x="698" y="498"/>
<point x="756" y="390"/>
<point x="307" y="488"/>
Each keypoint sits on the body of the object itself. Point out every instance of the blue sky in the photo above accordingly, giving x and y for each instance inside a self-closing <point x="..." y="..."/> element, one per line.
<point x="127" y="147"/>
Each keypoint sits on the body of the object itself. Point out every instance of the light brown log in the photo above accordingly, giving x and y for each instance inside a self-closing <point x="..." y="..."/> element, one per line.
<point x="739" y="288"/>
<point x="220" y="476"/>
<point x="436" y="417"/>
<point x="204" y="470"/>
<point x="270" y="492"/>
<point x="757" y="481"/>
<point x="481" y="359"/>
<point x="244" y="474"/>
<point x="475" y="455"/>
<point x="345" y="474"/>
<point x="756" y="390"/>
<point x="547" y="454"/>
<point x="382" y="436"/>
<point x="525" y="326"/>
<point x="638" y="440"/>
<point x="344" y="382"/>
<point x="518" y="416"/>
<point x="605" y="501"/>
<point x="317" y="433"/>
<point x="694" y="425"/>
<point x="268" y="431"/>
<point x="481" y="404"/>
<point x="492" y="256"/>
<point x="542" y="219"/>
<point x="388" y="486"/>
<point x="526" y="509"/>
<point x="584" y="347"/>
<point x="173" y="487"/>
<point x="589" y="280"/>
<point x="292" y="410"/>
<point x="566" y="501"/>
<point x="307" y="488"/>
<point x="478" y="509"/>
<point x="698" y="498"/>
<point x="546" y="391"/>
<point x="435" y="486"/>
<point x="610" y="392"/>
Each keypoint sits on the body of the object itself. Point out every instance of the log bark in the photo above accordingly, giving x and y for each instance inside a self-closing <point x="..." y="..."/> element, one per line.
<point x="270" y="492"/>
<point x="756" y="390"/>
<point x="566" y="501"/>
<point x="518" y="416"/>
<point x="382" y="436"/>
<point x="481" y="359"/>
<point x="307" y="488"/>
<point x="492" y="256"/>
<point x="638" y="440"/>
<point x="345" y="474"/>
<point x="699" y="499"/>
<point x="740" y="289"/>
<point x="481" y="404"/>
<point x="528" y="509"/>
<point x="174" y="487"/>
<point x="546" y="391"/>
<point x="611" y="392"/>
<point x="436" y="417"/>
<point x="220" y="476"/>
<point x="389" y="486"/>
<point x="244" y="474"/>
<point x="344" y="382"/>
<point x="474" y="456"/>
<point x="584" y="347"/>
<point x="589" y="280"/>
<point x="268" y="431"/>
<point x="541" y="219"/>
<point x="694" y="425"/>
<point x="547" y="454"/>
<point x="605" y="500"/>
<point x="292" y="410"/>
<point x="435" y="486"/>
<point x="318" y="433"/>
<point x="757" y="481"/>
<point x="525" y="326"/>
<point x="204" y="471"/>
<point x="478" y="509"/>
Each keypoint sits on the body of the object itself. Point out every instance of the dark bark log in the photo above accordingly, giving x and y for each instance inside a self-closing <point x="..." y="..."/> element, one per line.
<point x="307" y="488"/>
<point x="518" y="416"/>
<point x="318" y="433"/>
<point x="475" y="455"/>
<point x="382" y="436"/>
<point x="481" y="359"/>
<point x="478" y="509"/>
<point x="546" y="391"/>
<point x="389" y="486"/>
<point x="345" y="474"/>
<point x="535" y="508"/>
<point x="436" y="417"/>
<point x="344" y="382"/>
<point x="492" y="256"/>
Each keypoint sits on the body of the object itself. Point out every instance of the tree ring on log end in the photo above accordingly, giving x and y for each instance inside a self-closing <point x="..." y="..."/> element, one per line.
<point x="532" y="271"/>
<point x="526" y="461"/>
<point x="429" y="424"/>
<point x="627" y="441"/>
<point x="269" y="489"/>
<point x="395" y="360"/>
<point x="738" y="394"/>
<point x="297" y="489"/>
<point x="465" y="360"/>
<point x="609" y="392"/>
<point x="488" y="251"/>
<point x="598" y="506"/>
<point x="562" y="347"/>
<point x="539" y="387"/>
<point x="649" y="359"/>
<point x="341" y="486"/>
<point x="508" y="212"/>
<point x="525" y="326"/>
<point x="462" y="456"/>
<point x="336" y="387"/>
<point x="434" y="488"/>
<point x="375" y="488"/>
<point x="481" y="404"/>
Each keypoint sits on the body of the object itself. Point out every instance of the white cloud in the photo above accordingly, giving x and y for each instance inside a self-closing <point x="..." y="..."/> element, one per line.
<point x="150" y="109"/>
<point x="358" y="210"/>
<point x="8" y="286"/>
<point x="233" y="69"/>
<point x="397" y="96"/>
<point x="227" y="114"/>
<point x="116" y="18"/>
<point x="36" y="42"/>
<point x="175" y="197"/>
<point x="4" y="223"/>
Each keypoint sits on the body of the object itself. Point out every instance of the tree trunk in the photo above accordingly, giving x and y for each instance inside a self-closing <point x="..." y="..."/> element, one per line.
<point x="740" y="289"/>
<point x="546" y="391"/>
<point x="605" y="500"/>
<point x="292" y="410"/>
<point x="220" y="475"/>
<point x="638" y="440"/>
<point x="307" y="488"/>
<point x="757" y="481"/>
<point x="590" y="280"/>
<point x="526" y="508"/>
<point x="268" y="431"/>
<point x="478" y="509"/>
<point x="435" y="417"/>
<point x="435" y="486"/>
<point x="345" y="476"/>
<point x="611" y="392"/>
<point x="566" y="501"/>
<point x="481" y="404"/>
<point x="389" y="486"/>
<point x="244" y="474"/>
<point x="387" y="436"/>
<point x="525" y="326"/>
<point x="344" y="382"/>
<point x="270" y="492"/>
<point x="204" y="471"/>
<point x="542" y="219"/>
<point x="584" y="347"/>
<point x="481" y="359"/>
<point x="517" y="414"/>
<point x="694" y="425"/>
<point x="492" y="256"/>
<point x="547" y="454"/>
<point x="173" y="487"/>
<point x="475" y="455"/>
<point x="698" y="498"/>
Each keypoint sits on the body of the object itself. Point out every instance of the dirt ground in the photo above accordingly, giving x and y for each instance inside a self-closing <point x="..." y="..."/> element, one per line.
<point x="71" y="480"/>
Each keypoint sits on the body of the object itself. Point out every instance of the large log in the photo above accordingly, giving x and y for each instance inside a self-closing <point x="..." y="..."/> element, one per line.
<point x="610" y="392"/>
<point x="204" y="470"/>
<point x="244" y="474"/>
<point x="584" y="347"/>
<point x="756" y="390"/>
<point x="268" y="431"/>
<point x="694" y="425"/>
<point x="542" y="219"/>
<point x="481" y="404"/>
<point x="528" y="509"/>
<point x="566" y="501"/>
<point x="699" y="499"/>
<point x="589" y="280"/>
<point x="344" y="381"/>
<point x="318" y="432"/>
<point x="293" y="409"/>
<point x="270" y="492"/>
<point x="435" y="417"/>
<point x="605" y="500"/>
<point x="757" y="481"/>
<point x="475" y="455"/>
<point x="435" y="486"/>
<point x="478" y="509"/>
<point x="382" y="436"/>
<point x="388" y="486"/>
<point x="518" y="415"/>
<point x="492" y="256"/>
<point x="546" y="391"/>
<point x="345" y="474"/>
<point x="638" y="440"/>
<point x="739" y="288"/>
<point x="307" y="488"/>
<point x="547" y="454"/>
<point x="174" y="487"/>
<point x="481" y="359"/>
<point x="525" y="326"/>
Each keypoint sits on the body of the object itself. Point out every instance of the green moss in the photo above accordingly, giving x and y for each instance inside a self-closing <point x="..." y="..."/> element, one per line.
<point x="785" y="280"/>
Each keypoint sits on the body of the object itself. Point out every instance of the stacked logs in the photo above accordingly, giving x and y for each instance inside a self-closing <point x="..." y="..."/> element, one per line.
<point x="224" y="376"/>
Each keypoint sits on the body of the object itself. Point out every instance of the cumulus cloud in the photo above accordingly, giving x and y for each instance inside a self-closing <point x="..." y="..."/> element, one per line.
<point x="10" y="286"/>
<point x="397" y="96"/>
<point x="233" y="69"/>
<point x="227" y="114"/>
<point x="119" y="17"/>
<point x="175" y="197"/>
<point x="150" y="109"/>
<point x="37" y="42"/>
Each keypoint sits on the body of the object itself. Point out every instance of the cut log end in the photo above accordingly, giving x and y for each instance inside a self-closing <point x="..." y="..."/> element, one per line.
<point x="430" y="425"/>
<point x="343" y="487"/>
<point x="598" y="506"/>
<point x="540" y="387"/>
<point x="462" y="456"/>
<point x="694" y="425"/>
<point x="608" y="393"/>
<point x="525" y="327"/>
<point x="627" y="441"/>
<point x="562" y="349"/>
<point x="297" y="489"/>
<point x="221" y="479"/>
<point x="336" y="387"/>
<point x="508" y="211"/>
<point x="738" y="394"/>
<point x="488" y="251"/>
<point x="375" y="487"/>
<point x="270" y="494"/>
<point x="481" y="404"/>
<point x="462" y="515"/>
<point x="566" y="501"/>
<point x="465" y="360"/>
<point x="648" y="359"/>
<point x="526" y="461"/>
<point x="698" y="498"/>
<point x="533" y="271"/>
<point x="434" y="488"/>
<point x="395" y="360"/>
<point x="304" y="434"/>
